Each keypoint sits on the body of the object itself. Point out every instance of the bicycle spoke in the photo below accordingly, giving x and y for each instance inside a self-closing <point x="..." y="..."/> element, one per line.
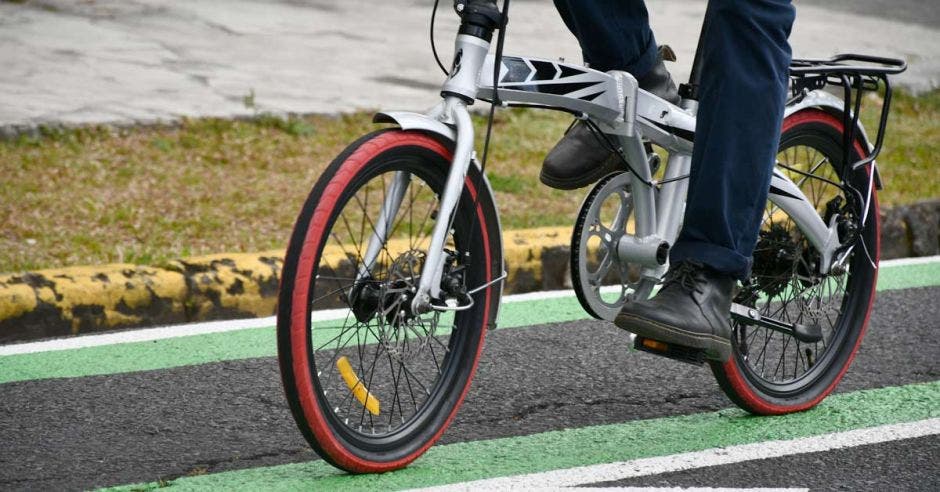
<point x="794" y="293"/>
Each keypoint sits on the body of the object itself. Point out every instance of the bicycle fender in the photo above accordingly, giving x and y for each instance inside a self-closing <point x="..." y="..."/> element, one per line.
<point x="415" y="121"/>
<point x="820" y="99"/>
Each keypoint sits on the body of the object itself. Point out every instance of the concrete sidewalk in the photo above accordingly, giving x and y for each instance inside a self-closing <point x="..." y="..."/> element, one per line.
<point x="120" y="61"/>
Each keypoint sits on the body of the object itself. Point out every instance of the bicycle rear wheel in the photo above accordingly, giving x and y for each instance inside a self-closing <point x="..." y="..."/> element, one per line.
<point x="371" y="384"/>
<point x="772" y="372"/>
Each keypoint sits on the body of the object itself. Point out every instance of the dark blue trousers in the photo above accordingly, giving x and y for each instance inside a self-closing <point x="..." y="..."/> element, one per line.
<point x="745" y="60"/>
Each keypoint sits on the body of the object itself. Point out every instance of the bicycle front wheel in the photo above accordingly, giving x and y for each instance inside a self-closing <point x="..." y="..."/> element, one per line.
<point x="771" y="372"/>
<point x="371" y="384"/>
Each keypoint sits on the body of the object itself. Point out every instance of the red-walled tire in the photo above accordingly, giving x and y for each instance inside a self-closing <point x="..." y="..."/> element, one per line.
<point x="772" y="373"/>
<point x="371" y="385"/>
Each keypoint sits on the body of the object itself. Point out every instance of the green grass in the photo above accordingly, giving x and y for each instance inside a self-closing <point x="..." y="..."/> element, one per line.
<point x="912" y="143"/>
<point x="147" y="195"/>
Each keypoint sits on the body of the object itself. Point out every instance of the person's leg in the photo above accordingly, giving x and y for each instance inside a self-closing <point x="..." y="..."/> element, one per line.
<point x="742" y="93"/>
<point x="613" y="34"/>
<point x="745" y="62"/>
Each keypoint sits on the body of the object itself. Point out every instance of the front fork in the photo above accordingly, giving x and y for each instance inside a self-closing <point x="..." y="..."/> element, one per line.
<point x="453" y="110"/>
<point x="429" y="286"/>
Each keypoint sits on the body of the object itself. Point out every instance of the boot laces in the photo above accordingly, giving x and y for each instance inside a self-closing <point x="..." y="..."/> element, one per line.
<point x="687" y="275"/>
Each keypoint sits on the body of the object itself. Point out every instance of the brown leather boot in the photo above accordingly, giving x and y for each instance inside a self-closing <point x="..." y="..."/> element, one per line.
<point x="693" y="309"/>
<point x="579" y="158"/>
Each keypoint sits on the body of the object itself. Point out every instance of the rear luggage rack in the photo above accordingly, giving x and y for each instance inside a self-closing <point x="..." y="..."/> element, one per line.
<point x="856" y="74"/>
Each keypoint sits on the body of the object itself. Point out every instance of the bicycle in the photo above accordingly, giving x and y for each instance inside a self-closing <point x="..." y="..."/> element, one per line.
<point x="394" y="270"/>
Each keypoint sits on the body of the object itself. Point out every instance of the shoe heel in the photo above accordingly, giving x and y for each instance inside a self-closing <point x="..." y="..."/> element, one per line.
<point x="680" y="353"/>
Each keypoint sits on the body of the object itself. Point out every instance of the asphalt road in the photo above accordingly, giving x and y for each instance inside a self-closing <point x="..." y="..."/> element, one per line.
<point x="87" y="432"/>
<point x="900" y="465"/>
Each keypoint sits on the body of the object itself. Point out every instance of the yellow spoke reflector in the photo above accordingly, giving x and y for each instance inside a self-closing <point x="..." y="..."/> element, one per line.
<point x="356" y="386"/>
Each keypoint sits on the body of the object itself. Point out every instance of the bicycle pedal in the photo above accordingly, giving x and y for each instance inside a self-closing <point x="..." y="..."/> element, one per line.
<point x="680" y="353"/>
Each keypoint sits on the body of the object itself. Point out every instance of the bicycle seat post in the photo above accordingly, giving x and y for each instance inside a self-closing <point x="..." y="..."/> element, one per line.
<point x="689" y="91"/>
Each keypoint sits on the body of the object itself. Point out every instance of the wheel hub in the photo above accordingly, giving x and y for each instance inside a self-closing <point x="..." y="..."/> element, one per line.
<point x="392" y="297"/>
<point x="774" y="255"/>
<point x="401" y="287"/>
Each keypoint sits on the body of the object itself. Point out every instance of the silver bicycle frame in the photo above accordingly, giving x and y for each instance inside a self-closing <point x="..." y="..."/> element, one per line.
<point x="614" y="102"/>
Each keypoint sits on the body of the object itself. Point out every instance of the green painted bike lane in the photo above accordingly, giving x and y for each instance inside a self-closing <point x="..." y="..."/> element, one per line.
<point x="260" y="342"/>
<point x="555" y="450"/>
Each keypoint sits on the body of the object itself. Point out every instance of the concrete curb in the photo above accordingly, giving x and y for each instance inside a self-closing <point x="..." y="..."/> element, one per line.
<point x="911" y="230"/>
<point x="75" y="300"/>
<point x="69" y="301"/>
<point x="78" y="300"/>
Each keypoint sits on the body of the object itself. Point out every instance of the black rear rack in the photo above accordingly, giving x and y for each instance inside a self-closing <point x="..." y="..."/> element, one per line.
<point x="856" y="74"/>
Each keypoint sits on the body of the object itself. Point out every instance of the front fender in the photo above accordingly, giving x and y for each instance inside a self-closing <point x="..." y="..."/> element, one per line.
<point x="829" y="103"/>
<point x="416" y="121"/>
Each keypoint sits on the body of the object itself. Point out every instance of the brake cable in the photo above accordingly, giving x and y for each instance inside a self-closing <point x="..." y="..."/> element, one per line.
<point x="497" y="64"/>
<point x="433" y="46"/>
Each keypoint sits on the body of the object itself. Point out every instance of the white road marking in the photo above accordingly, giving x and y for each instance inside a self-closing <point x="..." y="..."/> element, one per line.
<point x="141" y="335"/>
<point x="909" y="261"/>
<point x="175" y="331"/>
<point x="553" y="480"/>
<point x="676" y="489"/>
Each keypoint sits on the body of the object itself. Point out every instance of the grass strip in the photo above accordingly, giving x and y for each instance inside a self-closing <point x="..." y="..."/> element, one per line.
<point x="570" y="448"/>
<point x="147" y="195"/>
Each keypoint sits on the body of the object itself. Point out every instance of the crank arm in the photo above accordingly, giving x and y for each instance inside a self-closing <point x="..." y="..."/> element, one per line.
<point x="750" y="316"/>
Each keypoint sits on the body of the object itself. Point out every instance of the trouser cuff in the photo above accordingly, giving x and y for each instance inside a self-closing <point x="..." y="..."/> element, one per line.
<point x="718" y="258"/>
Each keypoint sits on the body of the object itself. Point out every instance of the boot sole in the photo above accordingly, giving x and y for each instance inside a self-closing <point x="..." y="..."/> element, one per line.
<point x="581" y="182"/>
<point x="714" y="347"/>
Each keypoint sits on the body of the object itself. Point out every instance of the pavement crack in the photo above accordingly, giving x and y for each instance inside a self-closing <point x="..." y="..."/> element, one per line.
<point x="233" y="462"/>
<point x="529" y="410"/>
<point x="221" y="27"/>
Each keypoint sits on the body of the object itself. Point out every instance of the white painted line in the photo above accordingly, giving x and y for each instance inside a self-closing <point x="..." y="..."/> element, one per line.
<point x="909" y="261"/>
<point x="538" y="296"/>
<point x="142" y="335"/>
<point x="675" y="489"/>
<point x="160" y="333"/>
<point x="552" y="294"/>
<point x="710" y="457"/>
<point x="175" y="331"/>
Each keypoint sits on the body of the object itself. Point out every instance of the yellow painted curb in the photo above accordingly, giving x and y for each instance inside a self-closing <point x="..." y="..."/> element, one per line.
<point x="68" y="301"/>
<point x="233" y="285"/>
<point x="523" y="252"/>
